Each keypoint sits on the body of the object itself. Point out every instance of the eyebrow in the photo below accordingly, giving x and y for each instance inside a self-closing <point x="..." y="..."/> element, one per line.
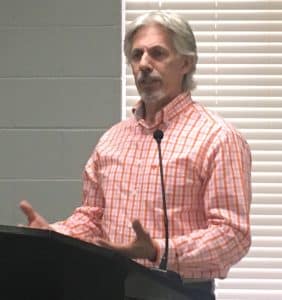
<point x="149" y="48"/>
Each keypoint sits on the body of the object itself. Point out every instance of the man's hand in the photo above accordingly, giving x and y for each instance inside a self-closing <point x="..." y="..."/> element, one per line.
<point x="34" y="219"/>
<point x="143" y="246"/>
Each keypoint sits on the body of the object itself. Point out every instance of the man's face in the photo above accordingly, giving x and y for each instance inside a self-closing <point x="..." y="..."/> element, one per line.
<point x="157" y="68"/>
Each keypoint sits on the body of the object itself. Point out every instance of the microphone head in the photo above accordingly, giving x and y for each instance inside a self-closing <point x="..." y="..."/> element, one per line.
<point x="158" y="135"/>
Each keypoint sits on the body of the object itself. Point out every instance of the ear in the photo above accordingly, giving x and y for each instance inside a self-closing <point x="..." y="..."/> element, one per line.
<point x="187" y="63"/>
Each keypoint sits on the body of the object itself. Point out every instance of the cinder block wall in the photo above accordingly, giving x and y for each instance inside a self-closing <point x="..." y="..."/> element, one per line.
<point x="60" y="89"/>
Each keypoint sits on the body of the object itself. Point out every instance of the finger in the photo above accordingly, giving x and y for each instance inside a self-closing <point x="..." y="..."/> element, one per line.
<point x="139" y="230"/>
<point x="28" y="210"/>
<point x="106" y="244"/>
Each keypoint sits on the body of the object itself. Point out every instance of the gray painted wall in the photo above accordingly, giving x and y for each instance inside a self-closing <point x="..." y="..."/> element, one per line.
<point x="60" y="89"/>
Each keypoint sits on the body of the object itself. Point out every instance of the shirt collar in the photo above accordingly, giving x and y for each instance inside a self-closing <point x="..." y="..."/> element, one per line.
<point x="166" y="114"/>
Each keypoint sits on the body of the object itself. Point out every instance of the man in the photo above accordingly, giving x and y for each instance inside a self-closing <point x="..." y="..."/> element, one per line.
<point x="207" y="168"/>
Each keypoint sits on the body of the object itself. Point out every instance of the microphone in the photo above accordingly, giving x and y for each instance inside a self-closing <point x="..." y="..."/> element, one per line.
<point x="158" y="135"/>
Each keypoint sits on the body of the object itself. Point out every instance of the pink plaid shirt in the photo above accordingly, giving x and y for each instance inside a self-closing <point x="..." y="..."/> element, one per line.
<point x="207" y="168"/>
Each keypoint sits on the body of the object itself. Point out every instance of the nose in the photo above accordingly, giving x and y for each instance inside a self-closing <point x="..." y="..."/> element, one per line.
<point x="145" y="63"/>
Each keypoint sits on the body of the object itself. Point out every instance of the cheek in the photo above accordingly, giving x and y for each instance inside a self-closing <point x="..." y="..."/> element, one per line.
<point x="134" y="70"/>
<point x="176" y="72"/>
<point x="172" y="75"/>
<point x="135" y="73"/>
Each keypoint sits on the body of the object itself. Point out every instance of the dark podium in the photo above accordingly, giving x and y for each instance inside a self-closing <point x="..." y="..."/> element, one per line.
<point x="41" y="265"/>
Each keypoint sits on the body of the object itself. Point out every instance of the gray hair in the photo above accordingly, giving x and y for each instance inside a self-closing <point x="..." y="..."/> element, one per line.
<point x="182" y="36"/>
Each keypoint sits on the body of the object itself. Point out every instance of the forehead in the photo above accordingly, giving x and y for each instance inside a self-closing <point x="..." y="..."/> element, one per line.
<point x="152" y="35"/>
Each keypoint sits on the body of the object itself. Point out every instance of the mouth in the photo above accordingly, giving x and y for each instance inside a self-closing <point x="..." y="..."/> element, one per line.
<point x="148" y="81"/>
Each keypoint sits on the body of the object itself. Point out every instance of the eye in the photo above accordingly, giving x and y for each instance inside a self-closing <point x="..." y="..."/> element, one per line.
<point x="136" y="55"/>
<point x="157" y="53"/>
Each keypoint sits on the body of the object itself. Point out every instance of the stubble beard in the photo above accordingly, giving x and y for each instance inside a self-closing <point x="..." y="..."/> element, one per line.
<point x="152" y="97"/>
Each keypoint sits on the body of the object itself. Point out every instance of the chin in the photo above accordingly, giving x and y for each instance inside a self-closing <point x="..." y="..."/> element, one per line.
<point x="152" y="97"/>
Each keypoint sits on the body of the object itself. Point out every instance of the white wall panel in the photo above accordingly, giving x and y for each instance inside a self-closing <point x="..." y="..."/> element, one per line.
<point x="60" y="76"/>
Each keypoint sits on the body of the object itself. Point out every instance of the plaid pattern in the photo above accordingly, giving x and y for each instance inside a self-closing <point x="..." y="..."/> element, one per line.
<point x="207" y="170"/>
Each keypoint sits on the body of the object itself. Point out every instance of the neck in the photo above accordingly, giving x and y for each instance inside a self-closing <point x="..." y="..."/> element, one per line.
<point x="152" y="106"/>
<point x="151" y="110"/>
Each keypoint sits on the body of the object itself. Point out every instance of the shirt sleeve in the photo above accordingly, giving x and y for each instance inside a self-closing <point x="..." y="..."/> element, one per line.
<point x="227" y="198"/>
<point x="86" y="221"/>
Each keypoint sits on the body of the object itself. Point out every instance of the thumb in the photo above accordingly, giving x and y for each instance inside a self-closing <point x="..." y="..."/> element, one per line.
<point x="28" y="210"/>
<point x="139" y="230"/>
